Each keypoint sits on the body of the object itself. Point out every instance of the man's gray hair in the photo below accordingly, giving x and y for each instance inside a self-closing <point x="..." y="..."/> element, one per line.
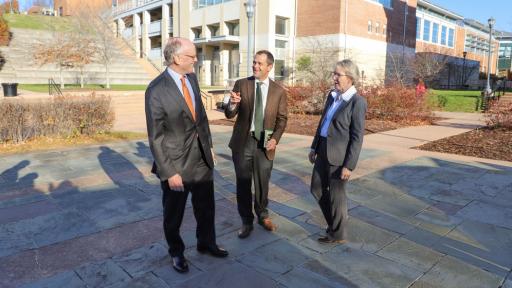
<point x="350" y="69"/>
<point x="172" y="48"/>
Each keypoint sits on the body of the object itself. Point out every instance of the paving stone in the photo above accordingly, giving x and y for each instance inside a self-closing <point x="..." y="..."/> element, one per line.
<point x="508" y="283"/>
<point x="289" y="229"/>
<point x="143" y="260"/>
<point x="148" y="280"/>
<point x="488" y="213"/>
<point x="167" y="274"/>
<point x="450" y="272"/>
<point x="410" y="254"/>
<point x="230" y="274"/>
<point x="435" y="222"/>
<point x="422" y="237"/>
<point x="381" y="220"/>
<point x="479" y="244"/>
<point x="277" y="258"/>
<point x="284" y="210"/>
<point x="20" y="212"/>
<point x="68" y="279"/>
<point x="367" y="237"/>
<point x="303" y="278"/>
<point x="362" y="269"/>
<point x="305" y="203"/>
<point x="102" y="274"/>
<point x="400" y="207"/>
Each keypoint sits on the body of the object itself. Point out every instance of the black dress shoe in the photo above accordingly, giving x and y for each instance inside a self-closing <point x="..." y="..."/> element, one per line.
<point x="329" y="240"/>
<point x="179" y="263"/>
<point x="245" y="231"/>
<point x="215" y="251"/>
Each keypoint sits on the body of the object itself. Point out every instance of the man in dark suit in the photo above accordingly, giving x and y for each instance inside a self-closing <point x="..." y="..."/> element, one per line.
<point x="262" y="112"/>
<point x="335" y="149"/>
<point x="181" y="144"/>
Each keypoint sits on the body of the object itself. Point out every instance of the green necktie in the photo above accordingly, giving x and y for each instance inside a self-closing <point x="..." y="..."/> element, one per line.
<point x="258" y="113"/>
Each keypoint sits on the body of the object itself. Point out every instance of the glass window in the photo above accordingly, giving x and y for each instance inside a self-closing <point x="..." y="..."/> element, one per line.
<point x="370" y="26"/>
<point x="450" y="37"/>
<point x="418" y="28"/>
<point x="426" y="30"/>
<point x="281" y="25"/>
<point x="385" y="3"/>
<point x="281" y="43"/>
<point x="435" y="32"/>
<point x="377" y="27"/>
<point x="384" y="29"/>
<point x="443" y="35"/>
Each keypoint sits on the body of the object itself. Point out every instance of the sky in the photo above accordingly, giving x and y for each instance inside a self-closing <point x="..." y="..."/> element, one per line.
<point x="25" y="4"/>
<point x="481" y="10"/>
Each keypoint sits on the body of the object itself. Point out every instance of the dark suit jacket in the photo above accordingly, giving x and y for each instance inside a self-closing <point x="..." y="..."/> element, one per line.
<point x="345" y="134"/>
<point x="171" y="128"/>
<point x="275" y="115"/>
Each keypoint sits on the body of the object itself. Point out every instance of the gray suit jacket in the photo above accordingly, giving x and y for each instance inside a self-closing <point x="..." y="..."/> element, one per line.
<point x="345" y="134"/>
<point x="172" y="130"/>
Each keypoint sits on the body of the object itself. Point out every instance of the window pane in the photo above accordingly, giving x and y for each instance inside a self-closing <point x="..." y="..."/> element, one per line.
<point x="435" y="32"/>
<point x="450" y="37"/>
<point x="281" y="26"/>
<point x="281" y="43"/>
<point x="426" y="30"/>
<point x="443" y="35"/>
<point x="369" y="26"/>
<point x="418" y="28"/>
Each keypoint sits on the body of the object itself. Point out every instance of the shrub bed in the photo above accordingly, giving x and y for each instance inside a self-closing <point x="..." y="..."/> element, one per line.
<point x="64" y="116"/>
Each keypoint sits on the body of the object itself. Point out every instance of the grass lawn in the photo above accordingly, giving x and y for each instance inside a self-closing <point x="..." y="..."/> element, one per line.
<point x="43" y="88"/>
<point x="456" y="100"/>
<point x="38" y="22"/>
<point x="48" y="143"/>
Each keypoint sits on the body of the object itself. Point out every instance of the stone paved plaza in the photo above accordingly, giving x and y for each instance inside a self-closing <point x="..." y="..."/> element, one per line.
<point x="91" y="217"/>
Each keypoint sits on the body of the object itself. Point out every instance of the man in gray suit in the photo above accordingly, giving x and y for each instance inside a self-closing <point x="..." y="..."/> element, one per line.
<point x="181" y="144"/>
<point x="335" y="149"/>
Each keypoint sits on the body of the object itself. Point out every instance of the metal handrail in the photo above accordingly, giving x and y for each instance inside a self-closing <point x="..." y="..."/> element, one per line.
<point x="53" y="88"/>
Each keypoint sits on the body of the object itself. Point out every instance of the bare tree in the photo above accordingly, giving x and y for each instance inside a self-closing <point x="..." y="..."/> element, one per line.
<point x="399" y="70"/>
<point x="58" y="52"/>
<point x="315" y="64"/>
<point x="428" y="65"/>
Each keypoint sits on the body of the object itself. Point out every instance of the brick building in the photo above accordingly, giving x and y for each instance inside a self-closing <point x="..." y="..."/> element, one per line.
<point x="72" y="7"/>
<point x="376" y="34"/>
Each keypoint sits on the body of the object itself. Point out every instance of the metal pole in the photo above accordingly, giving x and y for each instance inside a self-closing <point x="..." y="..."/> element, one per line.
<point x="488" y="89"/>
<point x="249" y="8"/>
<point x="12" y="10"/>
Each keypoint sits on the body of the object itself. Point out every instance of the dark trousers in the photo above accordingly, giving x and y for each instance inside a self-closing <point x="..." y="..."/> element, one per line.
<point x="249" y="165"/>
<point x="329" y="190"/>
<point x="200" y="184"/>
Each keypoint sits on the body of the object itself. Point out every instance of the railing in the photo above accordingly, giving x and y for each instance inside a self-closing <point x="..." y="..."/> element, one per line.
<point x="155" y="53"/>
<point x="128" y="5"/>
<point x="53" y="88"/>
<point x="155" y="28"/>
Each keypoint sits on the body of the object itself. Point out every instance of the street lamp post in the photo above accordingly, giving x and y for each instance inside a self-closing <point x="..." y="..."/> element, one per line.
<point x="464" y="54"/>
<point x="488" y="89"/>
<point x="249" y="9"/>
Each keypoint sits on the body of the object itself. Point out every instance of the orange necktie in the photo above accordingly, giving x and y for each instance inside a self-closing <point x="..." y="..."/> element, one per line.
<point x="188" y="98"/>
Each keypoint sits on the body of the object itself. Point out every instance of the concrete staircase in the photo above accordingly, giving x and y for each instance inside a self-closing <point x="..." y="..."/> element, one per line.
<point x="21" y="68"/>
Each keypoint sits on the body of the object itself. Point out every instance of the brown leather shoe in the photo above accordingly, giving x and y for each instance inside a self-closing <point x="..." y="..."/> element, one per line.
<point x="267" y="224"/>
<point x="329" y="240"/>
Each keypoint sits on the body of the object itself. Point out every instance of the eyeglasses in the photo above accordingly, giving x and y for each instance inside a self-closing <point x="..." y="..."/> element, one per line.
<point x="190" y="56"/>
<point x="337" y="75"/>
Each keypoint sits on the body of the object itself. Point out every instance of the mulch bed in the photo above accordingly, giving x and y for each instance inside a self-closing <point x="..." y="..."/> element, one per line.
<point x="483" y="143"/>
<point x="306" y="124"/>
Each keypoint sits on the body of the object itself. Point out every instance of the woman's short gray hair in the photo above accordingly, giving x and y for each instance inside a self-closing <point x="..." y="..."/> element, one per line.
<point x="172" y="48"/>
<point x="350" y="69"/>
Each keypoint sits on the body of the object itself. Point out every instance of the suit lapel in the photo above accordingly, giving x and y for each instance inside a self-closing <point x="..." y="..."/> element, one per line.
<point x="174" y="91"/>
<point x="270" y="99"/>
<point x="250" y="95"/>
<point x="197" y="94"/>
<point x="345" y="105"/>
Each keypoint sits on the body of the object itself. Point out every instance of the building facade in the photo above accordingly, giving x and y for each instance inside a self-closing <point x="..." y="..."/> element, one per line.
<point x="73" y="7"/>
<point x="376" y="34"/>
<point x="505" y="55"/>
<point x="218" y="28"/>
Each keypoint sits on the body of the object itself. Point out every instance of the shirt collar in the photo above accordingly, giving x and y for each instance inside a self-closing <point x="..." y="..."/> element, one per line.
<point x="265" y="82"/>
<point x="175" y="75"/>
<point x="345" y="96"/>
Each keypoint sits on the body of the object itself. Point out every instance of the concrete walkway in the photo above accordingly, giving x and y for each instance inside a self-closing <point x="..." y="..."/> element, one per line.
<point x="91" y="217"/>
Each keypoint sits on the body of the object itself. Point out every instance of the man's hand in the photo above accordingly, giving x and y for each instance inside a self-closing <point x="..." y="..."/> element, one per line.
<point x="176" y="183"/>
<point x="235" y="98"/>
<point x="312" y="156"/>
<point x="271" y="144"/>
<point x="214" y="157"/>
<point x="345" y="173"/>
